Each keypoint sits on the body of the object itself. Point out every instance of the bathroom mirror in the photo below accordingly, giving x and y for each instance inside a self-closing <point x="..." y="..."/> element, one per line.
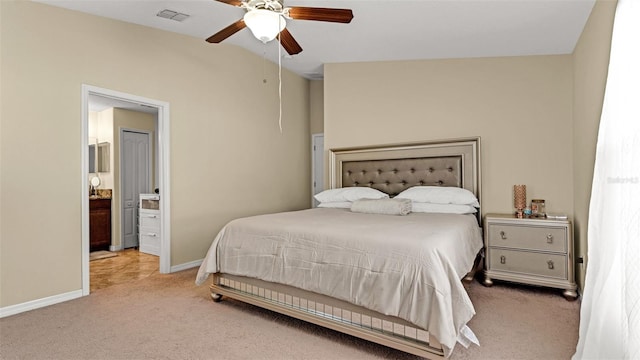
<point x="99" y="160"/>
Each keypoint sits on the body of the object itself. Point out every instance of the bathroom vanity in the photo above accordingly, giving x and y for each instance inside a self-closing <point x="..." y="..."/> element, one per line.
<point x="99" y="224"/>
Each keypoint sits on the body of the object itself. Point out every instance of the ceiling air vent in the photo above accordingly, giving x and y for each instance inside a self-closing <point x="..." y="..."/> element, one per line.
<point x="173" y="15"/>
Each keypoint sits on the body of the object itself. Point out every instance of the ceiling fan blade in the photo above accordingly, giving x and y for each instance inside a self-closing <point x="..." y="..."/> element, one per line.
<point x="321" y="14"/>
<point x="226" y="32"/>
<point x="289" y="43"/>
<point x="231" y="2"/>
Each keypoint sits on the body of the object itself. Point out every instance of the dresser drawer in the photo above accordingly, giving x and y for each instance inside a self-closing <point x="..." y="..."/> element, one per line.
<point x="149" y="242"/>
<point x="149" y="232"/>
<point x="528" y="237"/>
<point x="149" y="220"/>
<point x="548" y="265"/>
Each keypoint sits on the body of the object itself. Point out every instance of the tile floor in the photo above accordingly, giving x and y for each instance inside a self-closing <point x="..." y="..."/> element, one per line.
<point x="130" y="264"/>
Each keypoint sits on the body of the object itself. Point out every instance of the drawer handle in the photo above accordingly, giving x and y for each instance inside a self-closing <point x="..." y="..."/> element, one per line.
<point x="503" y="235"/>
<point x="549" y="238"/>
<point x="550" y="263"/>
<point x="152" y="216"/>
<point x="503" y="259"/>
<point x="152" y="234"/>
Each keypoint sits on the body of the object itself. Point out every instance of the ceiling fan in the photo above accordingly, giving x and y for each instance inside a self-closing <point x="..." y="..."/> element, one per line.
<point x="267" y="19"/>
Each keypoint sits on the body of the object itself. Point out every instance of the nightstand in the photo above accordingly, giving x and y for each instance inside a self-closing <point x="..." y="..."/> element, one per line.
<point x="531" y="251"/>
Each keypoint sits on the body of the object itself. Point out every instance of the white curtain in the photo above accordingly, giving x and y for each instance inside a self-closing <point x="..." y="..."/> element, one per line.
<point x="610" y="314"/>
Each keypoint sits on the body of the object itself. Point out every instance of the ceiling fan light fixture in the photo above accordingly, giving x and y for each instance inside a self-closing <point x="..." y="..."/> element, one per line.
<point x="264" y="24"/>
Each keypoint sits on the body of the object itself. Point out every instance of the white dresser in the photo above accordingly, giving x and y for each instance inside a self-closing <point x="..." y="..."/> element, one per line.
<point x="149" y="217"/>
<point x="530" y="251"/>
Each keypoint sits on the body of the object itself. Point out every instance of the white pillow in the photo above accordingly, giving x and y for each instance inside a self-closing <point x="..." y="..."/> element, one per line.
<point x="336" y="204"/>
<point x="439" y="195"/>
<point x="443" y="208"/>
<point x="349" y="194"/>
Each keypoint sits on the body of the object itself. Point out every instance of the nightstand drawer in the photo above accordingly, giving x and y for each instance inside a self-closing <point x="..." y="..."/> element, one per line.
<point x="548" y="265"/>
<point x="528" y="237"/>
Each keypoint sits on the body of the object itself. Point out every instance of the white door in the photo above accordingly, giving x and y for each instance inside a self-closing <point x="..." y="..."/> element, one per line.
<point x="135" y="170"/>
<point x="317" y="166"/>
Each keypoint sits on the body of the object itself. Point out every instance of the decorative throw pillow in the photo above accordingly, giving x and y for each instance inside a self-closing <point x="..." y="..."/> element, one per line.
<point x="382" y="206"/>
<point x="336" y="205"/>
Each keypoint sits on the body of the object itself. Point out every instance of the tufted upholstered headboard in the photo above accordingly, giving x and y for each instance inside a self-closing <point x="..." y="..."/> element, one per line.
<point x="393" y="176"/>
<point x="393" y="168"/>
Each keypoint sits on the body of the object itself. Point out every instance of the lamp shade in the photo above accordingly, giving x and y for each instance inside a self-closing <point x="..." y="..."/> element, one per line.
<point x="264" y="24"/>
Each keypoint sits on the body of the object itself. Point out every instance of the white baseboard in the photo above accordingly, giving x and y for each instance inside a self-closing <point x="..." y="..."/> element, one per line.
<point x="115" y="247"/>
<point x="39" y="303"/>
<point x="55" y="299"/>
<point x="186" y="266"/>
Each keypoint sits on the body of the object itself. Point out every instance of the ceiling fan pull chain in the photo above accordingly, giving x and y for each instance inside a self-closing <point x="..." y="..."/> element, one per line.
<point x="264" y="64"/>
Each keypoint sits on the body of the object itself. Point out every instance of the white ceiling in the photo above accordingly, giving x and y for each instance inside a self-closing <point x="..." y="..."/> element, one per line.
<point x="381" y="30"/>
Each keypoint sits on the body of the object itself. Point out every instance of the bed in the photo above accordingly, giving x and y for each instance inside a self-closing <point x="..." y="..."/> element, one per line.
<point x="393" y="280"/>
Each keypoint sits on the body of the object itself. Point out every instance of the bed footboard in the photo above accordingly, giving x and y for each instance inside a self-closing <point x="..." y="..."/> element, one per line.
<point x="330" y="313"/>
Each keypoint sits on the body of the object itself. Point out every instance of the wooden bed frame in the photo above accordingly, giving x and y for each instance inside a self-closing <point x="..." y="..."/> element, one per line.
<point x="390" y="169"/>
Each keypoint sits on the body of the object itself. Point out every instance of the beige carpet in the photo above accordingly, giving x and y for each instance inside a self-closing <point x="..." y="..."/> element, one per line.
<point x="102" y="254"/>
<point x="168" y="317"/>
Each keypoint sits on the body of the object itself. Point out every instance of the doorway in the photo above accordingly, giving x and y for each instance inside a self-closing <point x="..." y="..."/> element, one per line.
<point x="317" y="166"/>
<point x="162" y="150"/>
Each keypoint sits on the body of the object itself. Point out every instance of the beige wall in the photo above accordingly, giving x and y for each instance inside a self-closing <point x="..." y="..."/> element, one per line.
<point x="512" y="103"/>
<point x="131" y="120"/>
<point x="316" y="106"/>
<point x="227" y="158"/>
<point x="591" y="61"/>
<point x="520" y="106"/>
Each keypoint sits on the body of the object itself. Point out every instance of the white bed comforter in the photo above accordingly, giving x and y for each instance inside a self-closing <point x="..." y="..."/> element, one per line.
<point x="405" y="266"/>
